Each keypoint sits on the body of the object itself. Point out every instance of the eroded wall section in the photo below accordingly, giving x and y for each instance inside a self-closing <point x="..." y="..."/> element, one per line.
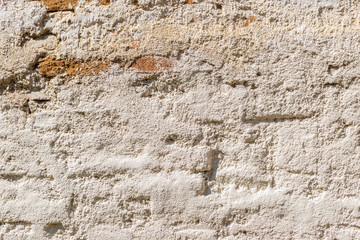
<point x="199" y="119"/>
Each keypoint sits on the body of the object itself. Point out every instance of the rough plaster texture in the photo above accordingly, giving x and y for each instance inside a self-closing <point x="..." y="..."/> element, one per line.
<point x="173" y="119"/>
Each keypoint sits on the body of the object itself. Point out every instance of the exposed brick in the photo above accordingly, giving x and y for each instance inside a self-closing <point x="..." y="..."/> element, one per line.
<point x="64" y="5"/>
<point x="104" y="2"/>
<point x="50" y="66"/>
<point x="152" y="64"/>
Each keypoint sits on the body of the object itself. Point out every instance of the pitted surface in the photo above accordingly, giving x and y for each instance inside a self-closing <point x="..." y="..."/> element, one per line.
<point x="178" y="119"/>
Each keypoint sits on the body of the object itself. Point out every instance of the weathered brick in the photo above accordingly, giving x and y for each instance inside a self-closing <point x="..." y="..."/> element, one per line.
<point x="50" y="66"/>
<point x="64" y="5"/>
<point x="152" y="64"/>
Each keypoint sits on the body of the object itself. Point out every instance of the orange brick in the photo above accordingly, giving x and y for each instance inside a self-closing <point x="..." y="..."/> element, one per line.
<point x="50" y="66"/>
<point x="64" y="5"/>
<point x="152" y="64"/>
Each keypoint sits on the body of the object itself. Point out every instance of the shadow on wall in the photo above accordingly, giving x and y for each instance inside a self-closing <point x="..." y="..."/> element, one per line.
<point x="211" y="174"/>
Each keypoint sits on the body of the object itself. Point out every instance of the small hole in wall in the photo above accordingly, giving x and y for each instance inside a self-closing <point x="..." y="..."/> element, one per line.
<point x="171" y="139"/>
<point x="53" y="228"/>
<point x="258" y="74"/>
<point x="218" y="6"/>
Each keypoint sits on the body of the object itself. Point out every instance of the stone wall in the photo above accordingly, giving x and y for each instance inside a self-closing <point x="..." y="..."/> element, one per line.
<point x="175" y="119"/>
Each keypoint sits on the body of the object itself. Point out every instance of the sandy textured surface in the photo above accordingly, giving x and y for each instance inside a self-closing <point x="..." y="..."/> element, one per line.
<point x="175" y="119"/>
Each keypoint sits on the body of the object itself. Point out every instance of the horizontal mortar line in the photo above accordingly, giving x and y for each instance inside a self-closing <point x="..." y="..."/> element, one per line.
<point x="20" y="222"/>
<point x="275" y="118"/>
<point x="16" y="177"/>
<point x="65" y="10"/>
<point x="349" y="225"/>
<point x="299" y="172"/>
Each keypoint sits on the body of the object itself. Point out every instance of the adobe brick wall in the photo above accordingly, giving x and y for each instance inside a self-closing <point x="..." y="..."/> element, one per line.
<point x="179" y="119"/>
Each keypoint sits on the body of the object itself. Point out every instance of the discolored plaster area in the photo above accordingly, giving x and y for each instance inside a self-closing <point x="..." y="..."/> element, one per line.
<point x="178" y="119"/>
